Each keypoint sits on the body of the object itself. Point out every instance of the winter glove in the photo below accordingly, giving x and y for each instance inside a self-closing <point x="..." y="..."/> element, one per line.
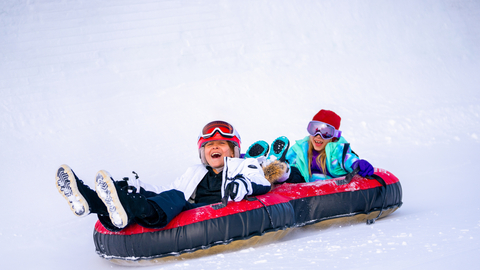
<point x="238" y="188"/>
<point x="366" y="169"/>
<point x="277" y="172"/>
<point x="263" y="161"/>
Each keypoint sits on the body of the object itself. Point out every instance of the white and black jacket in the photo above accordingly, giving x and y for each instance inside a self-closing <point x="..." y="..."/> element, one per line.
<point x="248" y="168"/>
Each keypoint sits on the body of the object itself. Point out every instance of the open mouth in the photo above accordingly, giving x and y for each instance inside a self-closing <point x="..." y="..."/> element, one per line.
<point x="216" y="155"/>
<point x="318" y="142"/>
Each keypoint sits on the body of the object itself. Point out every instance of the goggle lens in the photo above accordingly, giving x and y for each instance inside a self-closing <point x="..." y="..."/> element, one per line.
<point x="325" y="130"/>
<point x="222" y="127"/>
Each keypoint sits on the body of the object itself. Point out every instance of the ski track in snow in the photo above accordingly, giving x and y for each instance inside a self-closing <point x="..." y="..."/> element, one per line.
<point x="125" y="85"/>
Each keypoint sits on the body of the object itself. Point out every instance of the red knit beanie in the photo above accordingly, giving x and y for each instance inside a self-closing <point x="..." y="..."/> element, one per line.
<point x="328" y="117"/>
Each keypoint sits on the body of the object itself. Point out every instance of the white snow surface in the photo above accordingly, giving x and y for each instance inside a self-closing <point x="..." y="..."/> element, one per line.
<point x="127" y="84"/>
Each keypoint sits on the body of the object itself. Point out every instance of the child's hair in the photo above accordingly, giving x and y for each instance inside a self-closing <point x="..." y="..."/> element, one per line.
<point x="321" y="158"/>
<point x="232" y="146"/>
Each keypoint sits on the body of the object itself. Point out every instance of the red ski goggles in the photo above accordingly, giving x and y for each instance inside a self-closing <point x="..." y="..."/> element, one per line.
<point x="218" y="130"/>
<point x="325" y="130"/>
<point x="224" y="128"/>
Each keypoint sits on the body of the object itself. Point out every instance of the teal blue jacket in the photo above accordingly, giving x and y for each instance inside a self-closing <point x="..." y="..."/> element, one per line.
<point x="297" y="157"/>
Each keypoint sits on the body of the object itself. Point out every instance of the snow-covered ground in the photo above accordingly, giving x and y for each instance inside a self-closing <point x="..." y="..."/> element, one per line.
<point x="126" y="85"/>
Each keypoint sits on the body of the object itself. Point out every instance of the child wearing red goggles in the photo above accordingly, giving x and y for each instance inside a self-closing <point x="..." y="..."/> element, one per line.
<point x="221" y="177"/>
<point x="216" y="133"/>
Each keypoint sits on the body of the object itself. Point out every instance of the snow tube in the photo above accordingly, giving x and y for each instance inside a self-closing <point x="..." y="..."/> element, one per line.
<point x="258" y="220"/>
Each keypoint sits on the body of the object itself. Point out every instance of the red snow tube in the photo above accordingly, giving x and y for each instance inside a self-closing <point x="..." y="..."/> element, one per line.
<point x="260" y="219"/>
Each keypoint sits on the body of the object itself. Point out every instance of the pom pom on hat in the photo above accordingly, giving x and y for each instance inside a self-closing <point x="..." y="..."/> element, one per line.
<point x="328" y="117"/>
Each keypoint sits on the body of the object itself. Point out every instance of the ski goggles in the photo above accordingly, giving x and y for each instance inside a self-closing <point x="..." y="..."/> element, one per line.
<point x="325" y="130"/>
<point x="223" y="128"/>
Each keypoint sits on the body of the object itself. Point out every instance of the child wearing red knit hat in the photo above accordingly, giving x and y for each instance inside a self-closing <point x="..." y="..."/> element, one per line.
<point x="323" y="154"/>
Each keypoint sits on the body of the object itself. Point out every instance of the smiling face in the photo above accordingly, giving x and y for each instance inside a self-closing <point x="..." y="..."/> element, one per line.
<point x="215" y="151"/>
<point x="318" y="142"/>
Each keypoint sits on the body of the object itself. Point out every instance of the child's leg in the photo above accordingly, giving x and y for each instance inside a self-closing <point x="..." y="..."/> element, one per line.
<point x="81" y="198"/>
<point x="122" y="202"/>
<point x="168" y="205"/>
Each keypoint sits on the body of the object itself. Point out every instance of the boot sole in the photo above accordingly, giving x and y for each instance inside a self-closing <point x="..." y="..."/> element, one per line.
<point x="107" y="192"/>
<point x="259" y="145"/>
<point x="279" y="152"/>
<point x="67" y="186"/>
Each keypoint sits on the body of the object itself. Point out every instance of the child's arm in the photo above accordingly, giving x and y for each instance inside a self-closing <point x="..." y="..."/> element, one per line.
<point x="295" y="176"/>
<point x="246" y="176"/>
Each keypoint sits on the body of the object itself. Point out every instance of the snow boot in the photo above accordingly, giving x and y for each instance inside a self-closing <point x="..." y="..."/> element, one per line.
<point x="81" y="198"/>
<point x="279" y="149"/>
<point x="257" y="149"/>
<point x="122" y="201"/>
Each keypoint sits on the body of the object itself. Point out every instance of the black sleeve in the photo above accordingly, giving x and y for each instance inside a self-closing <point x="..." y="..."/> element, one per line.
<point x="295" y="176"/>
<point x="259" y="189"/>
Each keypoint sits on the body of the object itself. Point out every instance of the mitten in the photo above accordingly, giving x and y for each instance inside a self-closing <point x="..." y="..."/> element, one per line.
<point x="365" y="167"/>
<point x="264" y="161"/>
<point x="277" y="172"/>
<point x="238" y="188"/>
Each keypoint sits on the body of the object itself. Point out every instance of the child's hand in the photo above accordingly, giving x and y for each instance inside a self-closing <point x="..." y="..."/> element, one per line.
<point x="366" y="169"/>
<point x="238" y="188"/>
<point x="277" y="172"/>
